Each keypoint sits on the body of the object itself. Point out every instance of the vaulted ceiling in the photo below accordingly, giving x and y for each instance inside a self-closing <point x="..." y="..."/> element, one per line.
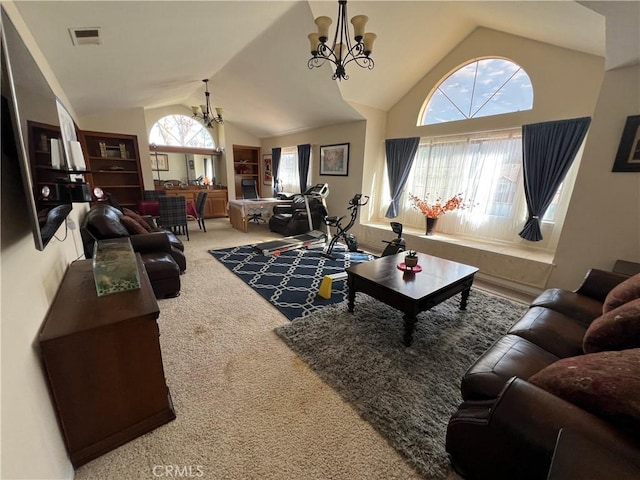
<point x="156" y="54"/>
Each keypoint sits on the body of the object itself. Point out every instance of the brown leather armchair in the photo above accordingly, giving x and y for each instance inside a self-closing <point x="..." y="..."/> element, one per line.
<point x="163" y="260"/>
<point x="514" y="435"/>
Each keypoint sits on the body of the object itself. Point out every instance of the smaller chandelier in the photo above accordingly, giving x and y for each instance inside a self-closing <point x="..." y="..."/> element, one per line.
<point x="342" y="52"/>
<point x="205" y="112"/>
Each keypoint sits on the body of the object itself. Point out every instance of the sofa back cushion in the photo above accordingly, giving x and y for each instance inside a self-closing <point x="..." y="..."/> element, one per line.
<point x="618" y="329"/>
<point x="606" y="384"/>
<point x="622" y="293"/>
<point x="103" y="222"/>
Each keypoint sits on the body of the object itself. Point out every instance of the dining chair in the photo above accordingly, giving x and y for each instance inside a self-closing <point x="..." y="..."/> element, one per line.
<point x="250" y="192"/>
<point x="154" y="194"/>
<point x="201" y="201"/>
<point x="173" y="214"/>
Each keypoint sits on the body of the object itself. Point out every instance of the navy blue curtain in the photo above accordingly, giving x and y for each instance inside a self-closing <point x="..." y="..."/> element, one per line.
<point x="275" y="164"/>
<point x="304" y="158"/>
<point x="400" y="155"/>
<point x="548" y="150"/>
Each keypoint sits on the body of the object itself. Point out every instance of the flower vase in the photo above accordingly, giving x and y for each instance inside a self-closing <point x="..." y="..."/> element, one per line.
<point x="431" y="225"/>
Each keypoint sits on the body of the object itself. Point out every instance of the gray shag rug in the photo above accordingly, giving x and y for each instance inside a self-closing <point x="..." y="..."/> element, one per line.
<point x="406" y="393"/>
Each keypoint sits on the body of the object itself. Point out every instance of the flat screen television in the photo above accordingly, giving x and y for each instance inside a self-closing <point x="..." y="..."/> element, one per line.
<point x="31" y="131"/>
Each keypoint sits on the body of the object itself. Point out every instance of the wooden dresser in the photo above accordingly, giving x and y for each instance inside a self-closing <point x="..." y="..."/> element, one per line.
<point x="103" y="364"/>
<point x="216" y="205"/>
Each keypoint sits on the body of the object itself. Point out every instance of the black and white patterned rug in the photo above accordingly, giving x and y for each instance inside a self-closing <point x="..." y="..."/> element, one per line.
<point x="291" y="280"/>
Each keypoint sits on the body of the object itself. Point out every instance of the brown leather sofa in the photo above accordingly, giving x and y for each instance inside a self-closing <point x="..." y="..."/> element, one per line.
<point x="506" y="427"/>
<point x="160" y="250"/>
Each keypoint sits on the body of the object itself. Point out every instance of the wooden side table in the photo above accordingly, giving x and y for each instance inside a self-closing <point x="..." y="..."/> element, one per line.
<point x="103" y="364"/>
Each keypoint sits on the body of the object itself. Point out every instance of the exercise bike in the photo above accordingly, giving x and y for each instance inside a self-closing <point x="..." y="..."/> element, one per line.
<point x="396" y="245"/>
<point x="341" y="232"/>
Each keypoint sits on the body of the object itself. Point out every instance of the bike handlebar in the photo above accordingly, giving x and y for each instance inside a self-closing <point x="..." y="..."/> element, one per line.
<point x="355" y="201"/>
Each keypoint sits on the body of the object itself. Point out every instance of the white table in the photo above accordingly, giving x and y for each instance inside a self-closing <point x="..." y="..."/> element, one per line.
<point x="238" y="210"/>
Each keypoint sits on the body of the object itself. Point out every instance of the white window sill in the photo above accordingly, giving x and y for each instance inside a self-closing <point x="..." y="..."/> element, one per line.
<point x="518" y="267"/>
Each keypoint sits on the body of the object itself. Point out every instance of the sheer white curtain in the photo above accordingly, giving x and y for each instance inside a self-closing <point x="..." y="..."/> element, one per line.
<point x="288" y="170"/>
<point x="486" y="169"/>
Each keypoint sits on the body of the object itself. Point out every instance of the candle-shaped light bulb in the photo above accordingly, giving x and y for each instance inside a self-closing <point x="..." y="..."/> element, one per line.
<point x="369" y="38"/>
<point x="323" y="24"/>
<point x="358" y="22"/>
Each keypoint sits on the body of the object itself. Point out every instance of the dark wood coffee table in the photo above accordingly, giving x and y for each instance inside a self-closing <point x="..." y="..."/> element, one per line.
<point x="411" y="293"/>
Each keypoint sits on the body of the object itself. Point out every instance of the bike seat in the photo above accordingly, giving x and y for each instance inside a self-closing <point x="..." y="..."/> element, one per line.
<point x="333" y="221"/>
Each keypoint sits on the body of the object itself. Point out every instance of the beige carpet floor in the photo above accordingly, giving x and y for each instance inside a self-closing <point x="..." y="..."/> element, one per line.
<point x="247" y="407"/>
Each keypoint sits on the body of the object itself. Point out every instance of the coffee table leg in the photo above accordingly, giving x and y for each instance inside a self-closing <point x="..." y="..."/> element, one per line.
<point x="409" y="326"/>
<point x="465" y="297"/>
<point x="351" y="296"/>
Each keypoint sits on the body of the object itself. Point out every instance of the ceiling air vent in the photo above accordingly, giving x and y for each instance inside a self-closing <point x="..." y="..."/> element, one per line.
<point x="85" y="36"/>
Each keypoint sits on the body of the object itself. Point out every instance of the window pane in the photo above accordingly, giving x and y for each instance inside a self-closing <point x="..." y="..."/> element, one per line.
<point x="182" y="131"/>
<point x="486" y="169"/>
<point x="486" y="87"/>
<point x="288" y="171"/>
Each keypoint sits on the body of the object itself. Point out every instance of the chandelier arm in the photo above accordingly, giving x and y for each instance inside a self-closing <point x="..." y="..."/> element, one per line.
<point x="316" y="62"/>
<point x="361" y="61"/>
<point x="327" y="52"/>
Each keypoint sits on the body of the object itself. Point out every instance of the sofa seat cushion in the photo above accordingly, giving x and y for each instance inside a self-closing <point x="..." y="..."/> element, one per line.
<point x="510" y="356"/>
<point x="580" y="307"/>
<point x="618" y="329"/>
<point x="622" y="293"/>
<point x="555" y="332"/>
<point x="606" y="384"/>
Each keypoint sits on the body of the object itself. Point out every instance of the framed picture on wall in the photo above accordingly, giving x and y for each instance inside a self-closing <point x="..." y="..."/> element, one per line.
<point x="267" y="165"/>
<point x="160" y="161"/>
<point x="334" y="159"/>
<point x="628" y="156"/>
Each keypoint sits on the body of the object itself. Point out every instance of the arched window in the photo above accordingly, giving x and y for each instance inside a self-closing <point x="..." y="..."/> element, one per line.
<point x="480" y="88"/>
<point x="180" y="131"/>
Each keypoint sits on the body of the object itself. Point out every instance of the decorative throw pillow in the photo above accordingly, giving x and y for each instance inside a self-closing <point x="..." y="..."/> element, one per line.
<point x="618" y="329"/>
<point x="136" y="216"/>
<point x="606" y="384"/>
<point x="132" y="226"/>
<point x="622" y="293"/>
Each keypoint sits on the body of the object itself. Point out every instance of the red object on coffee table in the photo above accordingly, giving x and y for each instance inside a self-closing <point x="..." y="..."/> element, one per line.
<point x="402" y="266"/>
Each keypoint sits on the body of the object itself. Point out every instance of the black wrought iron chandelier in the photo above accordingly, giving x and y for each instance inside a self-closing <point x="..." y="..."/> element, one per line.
<point x="343" y="52"/>
<point x="205" y="112"/>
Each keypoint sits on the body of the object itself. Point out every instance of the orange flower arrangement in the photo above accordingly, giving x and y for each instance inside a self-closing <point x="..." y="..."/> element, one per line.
<point x="438" y="208"/>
